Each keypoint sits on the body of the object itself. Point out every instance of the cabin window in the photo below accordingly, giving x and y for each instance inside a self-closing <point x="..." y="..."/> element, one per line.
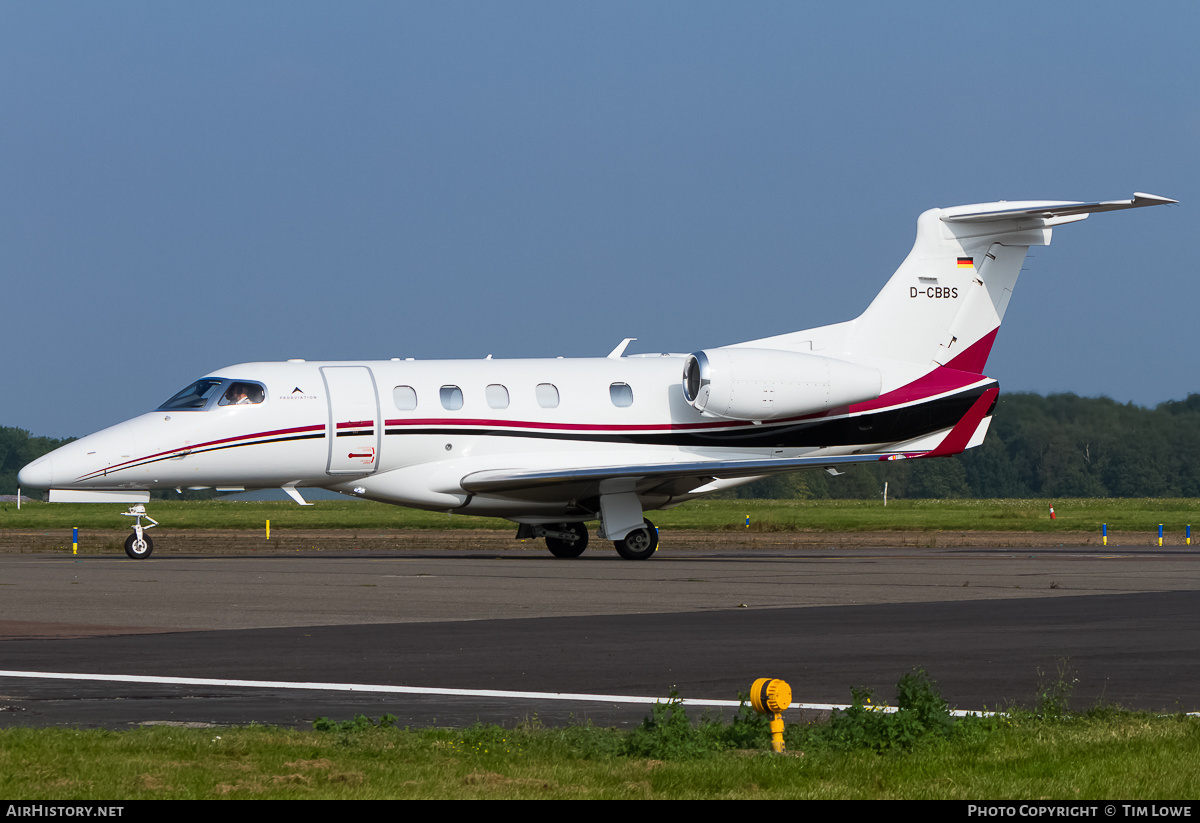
<point x="452" y="398"/>
<point x="405" y="398"/>
<point x="547" y="395"/>
<point x="497" y="396"/>
<point x="195" y="396"/>
<point x="243" y="394"/>
<point x="621" y="394"/>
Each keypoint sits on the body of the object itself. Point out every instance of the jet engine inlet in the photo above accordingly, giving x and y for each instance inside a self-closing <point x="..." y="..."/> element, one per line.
<point x="769" y="384"/>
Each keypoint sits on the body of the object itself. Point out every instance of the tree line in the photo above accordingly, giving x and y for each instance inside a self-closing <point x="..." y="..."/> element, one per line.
<point x="17" y="448"/>
<point x="1061" y="445"/>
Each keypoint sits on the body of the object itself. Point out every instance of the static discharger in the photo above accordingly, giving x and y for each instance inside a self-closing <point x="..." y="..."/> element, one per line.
<point x="771" y="696"/>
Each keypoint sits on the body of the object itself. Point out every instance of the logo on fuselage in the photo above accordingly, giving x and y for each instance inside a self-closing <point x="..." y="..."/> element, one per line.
<point x="297" y="394"/>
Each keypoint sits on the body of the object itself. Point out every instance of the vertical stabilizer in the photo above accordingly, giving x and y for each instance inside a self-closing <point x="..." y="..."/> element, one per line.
<point x="944" y="304"/>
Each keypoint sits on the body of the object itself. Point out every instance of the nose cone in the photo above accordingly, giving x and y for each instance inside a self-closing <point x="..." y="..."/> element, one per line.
<point x="37" y="475"/>
<point x="85" y="463"/>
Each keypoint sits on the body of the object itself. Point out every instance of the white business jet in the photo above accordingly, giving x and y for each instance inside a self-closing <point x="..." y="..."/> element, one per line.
<point x="553" y="444"/>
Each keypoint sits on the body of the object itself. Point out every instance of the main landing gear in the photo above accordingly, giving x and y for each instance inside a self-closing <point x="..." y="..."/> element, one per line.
<point x="567" y="540"/>
<point x="562" y="539"/>
<point x="571" y="539"/>
<point x="639" y="544"/>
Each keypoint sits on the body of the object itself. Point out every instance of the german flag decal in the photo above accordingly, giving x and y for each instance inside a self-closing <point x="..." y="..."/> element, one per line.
<point x="966" y="262"/>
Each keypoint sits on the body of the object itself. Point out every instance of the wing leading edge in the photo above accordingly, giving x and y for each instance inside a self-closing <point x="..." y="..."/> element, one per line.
<point x="504" y="481"/>
<point x="686" y="476"/>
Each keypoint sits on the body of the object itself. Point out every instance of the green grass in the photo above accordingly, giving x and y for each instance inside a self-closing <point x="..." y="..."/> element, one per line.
<point x="1141" y="514"/>
<point x="1109" y="755"/>
<point x="1078" y="515"/>
<point x="218" y="514"/>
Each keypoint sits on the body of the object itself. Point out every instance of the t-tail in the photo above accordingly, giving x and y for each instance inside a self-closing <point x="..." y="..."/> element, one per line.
<point x="929" y="332"/>
<point x="945" y="303"/>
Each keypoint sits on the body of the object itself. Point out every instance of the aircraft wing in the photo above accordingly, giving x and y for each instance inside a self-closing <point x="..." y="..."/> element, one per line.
<point x="686" y="476"/>
<point x="671" y="478"/>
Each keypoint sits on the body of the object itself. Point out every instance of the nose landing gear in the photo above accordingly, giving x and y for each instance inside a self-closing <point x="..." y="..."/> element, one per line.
<point x="138" y="546"/>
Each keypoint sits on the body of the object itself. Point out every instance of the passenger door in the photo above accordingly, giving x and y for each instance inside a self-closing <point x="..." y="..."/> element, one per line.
<point x="354" y="429"/>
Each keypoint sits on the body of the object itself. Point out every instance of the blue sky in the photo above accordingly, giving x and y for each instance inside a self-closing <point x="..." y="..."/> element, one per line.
<point x="188" y="185"/>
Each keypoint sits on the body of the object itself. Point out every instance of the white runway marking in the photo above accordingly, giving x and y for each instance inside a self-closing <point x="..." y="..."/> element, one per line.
<point x="368" y="687"/>
<point x="382" y="689"/>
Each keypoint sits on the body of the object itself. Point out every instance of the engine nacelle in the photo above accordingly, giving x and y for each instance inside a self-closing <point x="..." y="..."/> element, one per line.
<point x="769" y="384"/>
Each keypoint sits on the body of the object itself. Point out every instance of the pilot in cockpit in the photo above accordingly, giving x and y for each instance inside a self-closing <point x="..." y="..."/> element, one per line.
<point x="242" y="394"/>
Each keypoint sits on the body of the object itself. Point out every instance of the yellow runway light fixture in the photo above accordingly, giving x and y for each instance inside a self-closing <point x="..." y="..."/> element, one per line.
<point x="771" y="696"/>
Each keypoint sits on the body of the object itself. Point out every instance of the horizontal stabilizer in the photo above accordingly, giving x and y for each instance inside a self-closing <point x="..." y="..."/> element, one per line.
<point x="1047" y="209"/>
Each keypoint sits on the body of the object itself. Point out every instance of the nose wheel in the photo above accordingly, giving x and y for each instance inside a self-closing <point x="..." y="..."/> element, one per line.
<point x="138" y="546"/>
<point x="639" y="544"/>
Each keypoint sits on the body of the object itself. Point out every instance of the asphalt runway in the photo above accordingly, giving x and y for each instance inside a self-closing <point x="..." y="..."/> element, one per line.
<point x="982" y="622"/>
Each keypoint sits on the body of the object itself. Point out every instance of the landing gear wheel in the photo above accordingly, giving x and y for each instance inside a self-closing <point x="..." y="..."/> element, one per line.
<point x="138" y="549"/>
<point x="639" y="544"/>
<point x="561" y="547"/>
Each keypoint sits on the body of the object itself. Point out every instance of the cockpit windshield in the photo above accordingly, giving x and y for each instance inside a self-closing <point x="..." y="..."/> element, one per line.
<point x="200" y="395"/>
<point x="195" y="396"/>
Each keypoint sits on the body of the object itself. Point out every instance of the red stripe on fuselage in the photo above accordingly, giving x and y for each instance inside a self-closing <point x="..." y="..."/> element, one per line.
<point x="527" y="424"/>
<point x="939" y="381"/>
<point x="208" y="444"/>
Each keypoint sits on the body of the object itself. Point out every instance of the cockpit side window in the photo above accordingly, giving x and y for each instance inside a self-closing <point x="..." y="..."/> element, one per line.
<point x="242" y="394"/>
<point x="194" y="397"/>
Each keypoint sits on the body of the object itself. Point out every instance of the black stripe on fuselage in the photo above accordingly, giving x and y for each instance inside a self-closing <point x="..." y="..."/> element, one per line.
<point x="885" y="426"/>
